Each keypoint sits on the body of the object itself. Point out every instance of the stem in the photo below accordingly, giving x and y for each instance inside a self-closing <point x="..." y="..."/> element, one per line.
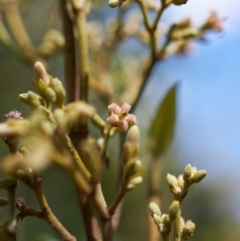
<point x="117" y="200"/>
<point x="77" y="158"/>
<point x="19" y="32"/>
<point x="71" y="78"/>
<point x="93" y="232"/>
<point x="177" y="226"/>
<point x="143" y="8"/>
<point x="80" y="18"/>
<point x="48" y="214"/>
<point x="11" y="227"/>
<point x="146" y="75"/>
<point x="159" y="14"/>
<point x="154" y="195"/>
<point x="7" y="42"/>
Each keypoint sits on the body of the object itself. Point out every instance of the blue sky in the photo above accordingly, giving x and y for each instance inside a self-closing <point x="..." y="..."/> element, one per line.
<point x="208" y="124"/>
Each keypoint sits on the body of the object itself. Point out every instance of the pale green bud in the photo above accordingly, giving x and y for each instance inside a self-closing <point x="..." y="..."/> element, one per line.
<point x="188" y="229"/>
<point x="187" y="173"/>
<point x="199" y="176"/>
<point x="59" y="90"/>
<point x="173" y="209"/>
<point x="180" y="181"/>
<point x="30" y="99"/>
<point x="133" y="135"/>
<point x="134" y="182"/>
<point x="132" y="168"/>
<point x="154" y="209"/>
<point x="157" y="219"/>
<point x="173" y="184"/>
<point x="50" y="95"/>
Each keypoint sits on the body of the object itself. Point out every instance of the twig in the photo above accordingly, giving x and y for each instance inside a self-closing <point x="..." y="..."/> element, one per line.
<point x="48" y="214"/>
<point x="177" y="226"/>
<point x="154" y="196"/>
<point x="26" y="211"/>
<point x="71" y="76"/>
<point x="77" y="158"/>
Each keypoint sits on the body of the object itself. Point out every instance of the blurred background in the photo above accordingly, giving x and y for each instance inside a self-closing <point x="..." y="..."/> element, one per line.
<point x="207" y="132"/>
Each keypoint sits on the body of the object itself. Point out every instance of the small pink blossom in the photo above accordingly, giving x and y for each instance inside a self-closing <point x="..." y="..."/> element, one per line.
<point x="119" y="117"/>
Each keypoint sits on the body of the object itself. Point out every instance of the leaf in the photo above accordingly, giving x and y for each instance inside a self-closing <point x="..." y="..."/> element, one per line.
<point x="162" y="129"/>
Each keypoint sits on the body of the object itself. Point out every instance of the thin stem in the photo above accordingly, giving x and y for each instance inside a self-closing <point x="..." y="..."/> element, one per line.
<point x="143" y="8"/>
<point x="77" y="158"/>
<point x="117" y="200"/>
<point x="48" y="214"/>
<point x="80" y="18"/>
<point x="11" y="228"/>
<point x="93" y="232"/>
<point x="159" y="14"/>
<point x="177" y="226"/>
<point x="71" y="77"/>
<point x="146" y="75"/>
<point x="7" y="42"/>
<point x="154" y="195"/>
<point x="105" y="142"/>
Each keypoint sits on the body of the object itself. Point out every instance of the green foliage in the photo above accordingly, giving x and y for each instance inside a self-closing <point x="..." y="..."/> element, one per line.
<point x="162" y="129"/>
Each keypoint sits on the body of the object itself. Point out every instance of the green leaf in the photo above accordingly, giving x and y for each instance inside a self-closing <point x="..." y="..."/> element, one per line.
<point x="162" y="129"/>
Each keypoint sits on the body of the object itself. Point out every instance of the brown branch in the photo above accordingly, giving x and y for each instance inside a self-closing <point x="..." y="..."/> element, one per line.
<point x="71" y="77"/>
<point x="48" y="214"/>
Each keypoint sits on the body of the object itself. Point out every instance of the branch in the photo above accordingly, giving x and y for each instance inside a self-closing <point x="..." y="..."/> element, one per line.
<point x="48" y="214"/>
<point x="71" y="77"/>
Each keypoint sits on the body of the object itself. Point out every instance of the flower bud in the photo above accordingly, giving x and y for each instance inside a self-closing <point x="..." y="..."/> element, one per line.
<point x="154" y="209"/>
<point x="132" y="168"/>
<point x="199" y="176"/>
<point x="59" y="90"/>
<point x="188" y="229"/>
<point x="173" y="184"/>
<point x="134" y="182"/>
<point x="50" y="95"/>
<point x="41" y="73"/>
<point x="30" y="99"/>
<point x="173" y="209"/>
<point x="157" y="219"/>
<point x="187" y="173"/>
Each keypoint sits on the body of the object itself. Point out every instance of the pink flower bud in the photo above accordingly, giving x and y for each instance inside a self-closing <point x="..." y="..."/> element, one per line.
<point x="113" y="119"/>
<point x="114" y="108"/>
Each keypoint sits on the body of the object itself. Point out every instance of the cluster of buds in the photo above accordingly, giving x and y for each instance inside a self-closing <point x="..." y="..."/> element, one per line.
<point x="132" y="166"/>
<point x="164" y="221"/>
<point x="187" y="229"/>
<point x="179" y="186"/>
<point x="119" y="116"/>
<point x="50" y="89"/>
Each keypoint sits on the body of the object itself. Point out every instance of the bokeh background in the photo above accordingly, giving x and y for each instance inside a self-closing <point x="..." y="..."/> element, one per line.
<point x="207" y="133"/>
